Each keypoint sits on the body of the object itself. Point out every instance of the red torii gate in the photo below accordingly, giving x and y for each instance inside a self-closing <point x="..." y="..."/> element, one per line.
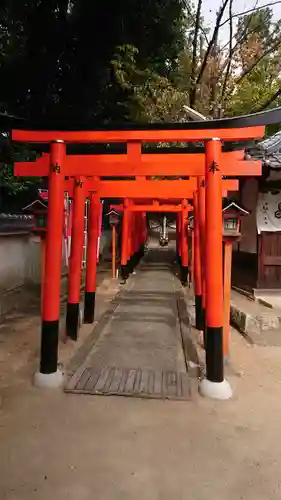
<point x="210" y="219"/>
<point x="154" y="206"/>
<point x="178" y="208"/>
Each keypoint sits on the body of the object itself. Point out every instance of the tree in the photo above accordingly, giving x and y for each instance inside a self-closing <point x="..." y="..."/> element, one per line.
<point x="62" y="51"/>
<point x="141" y="62"/>
<point x="59" y="58"/>
<point x="257" y="58"/>
<point x="149" y="96"/>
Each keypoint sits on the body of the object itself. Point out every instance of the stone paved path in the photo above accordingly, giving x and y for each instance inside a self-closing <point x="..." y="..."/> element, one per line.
<point x="143" y="333"/>
<point x="144" y="330"/>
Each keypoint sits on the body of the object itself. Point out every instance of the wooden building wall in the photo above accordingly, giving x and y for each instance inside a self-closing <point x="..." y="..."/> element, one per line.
<point x="269" y="260"/>
<point x="257" y="259"/>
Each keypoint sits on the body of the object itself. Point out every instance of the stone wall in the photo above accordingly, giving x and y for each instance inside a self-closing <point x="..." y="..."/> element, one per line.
<point x="20" y="259"/>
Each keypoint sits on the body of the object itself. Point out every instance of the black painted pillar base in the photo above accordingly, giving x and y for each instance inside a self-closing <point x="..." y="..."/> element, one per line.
<point x="72" y="321"/>
<point x="49" y="347"/>
<point x="139" y="255"/>
<point x="199" y="313"/>
<point x="130" y="265"/>
<point x="124" y="271"/>
<point x="89" y="307"/>
<point x="184" y="274"/>
<point x="134" y="261"/>
<point x="214" y="354"/>
<point x="204" y="327"/>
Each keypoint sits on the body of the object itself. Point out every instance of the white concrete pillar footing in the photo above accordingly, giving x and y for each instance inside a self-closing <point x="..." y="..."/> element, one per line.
<point x="48" y="380"/>
<point x="215" y="390"/>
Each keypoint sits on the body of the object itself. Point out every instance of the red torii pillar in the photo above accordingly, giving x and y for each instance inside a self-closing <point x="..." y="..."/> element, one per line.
<point x="48" y="374"/>
<point x="214" y="385"/>
<point x="91" y="258"/>
<point x="131" y="247"/>
<point x="178" y="236"/>
<point x="75" y="261"/>
<point x="199" y="320"/>
<point x="202" y="228"/>
<point x="184" y="242"/>
<point x="137" y="239"/>
<point x="125" y="241"/>
<point x="131" y="260"/>
<point x="143" y="233"/>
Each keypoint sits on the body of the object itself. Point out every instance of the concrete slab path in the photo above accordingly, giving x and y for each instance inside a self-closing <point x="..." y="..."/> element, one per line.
<point x="144" y="330"/>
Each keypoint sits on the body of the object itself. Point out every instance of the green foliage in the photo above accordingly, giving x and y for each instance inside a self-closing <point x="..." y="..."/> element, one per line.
<point x="150" y="97"/>
<point x="261" y="67"/>
<point x="114" y="61"/>
<point x="61" y="58"/>
<point x="62" y="52"/>
<point x="11" y="184"/>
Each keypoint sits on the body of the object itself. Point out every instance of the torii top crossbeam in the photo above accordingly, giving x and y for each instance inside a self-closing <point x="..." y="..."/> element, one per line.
<point x="175" y="135"/>
<point x="40" y="130"/>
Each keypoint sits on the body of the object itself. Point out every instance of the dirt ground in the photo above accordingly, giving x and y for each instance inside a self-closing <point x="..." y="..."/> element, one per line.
<point x="58" y="446"/>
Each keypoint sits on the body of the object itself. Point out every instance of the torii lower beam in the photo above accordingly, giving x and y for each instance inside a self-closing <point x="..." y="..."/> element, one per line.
<point x="155" y="206"/>
<point x="112" y="165"/>
<point x="149" y="208"/>
<point x="157" y="189"/>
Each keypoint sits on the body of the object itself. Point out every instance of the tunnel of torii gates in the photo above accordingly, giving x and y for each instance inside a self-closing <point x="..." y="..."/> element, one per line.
<point x="80" y="176"/>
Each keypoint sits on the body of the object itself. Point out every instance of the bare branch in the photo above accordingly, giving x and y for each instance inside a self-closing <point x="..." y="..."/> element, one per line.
<point x="201" y="28"/>
<point x="195" y="44"/>
<point x="208" y="51"/>
<point x="230" y="51"/>
<point x="242" y="38"/>
<point x="243" y="35"/>
<point x="254" y="9"/>
<point x="255" y="63"/>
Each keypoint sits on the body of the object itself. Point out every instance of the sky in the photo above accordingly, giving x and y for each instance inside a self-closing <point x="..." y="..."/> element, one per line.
<point x="210" y="7"/>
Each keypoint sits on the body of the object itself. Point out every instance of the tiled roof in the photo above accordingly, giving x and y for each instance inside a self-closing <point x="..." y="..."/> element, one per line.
<point x="231" y="204"/>
<point x="13" y="223"/>
<point x="268" y="150"/>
